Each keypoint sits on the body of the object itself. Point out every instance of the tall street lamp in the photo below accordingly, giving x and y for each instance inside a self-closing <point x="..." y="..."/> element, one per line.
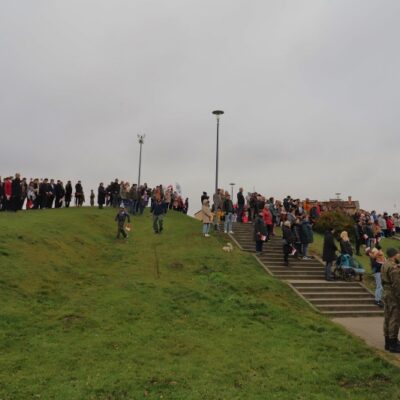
<point x="232" y="185"/>
<point x="218" y="114"/>
<point x="141" y="141"/>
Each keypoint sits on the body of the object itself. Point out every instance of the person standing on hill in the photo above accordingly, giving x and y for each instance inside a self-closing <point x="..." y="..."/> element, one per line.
<point x="68" y="194"/>
<point x="59" y="193"/>
<point x="101" y="195"/>
<point x="217" y="208"/>
<point x="207" y="217"/>
<point x="92" y="196"/>
<point x="78" y="194"/>
<point x="120" y="218"/>
<point x="390" y="273"/>
<point x="7" y="194"/>
<point x="16" y="193"/>
<point x="329" y="253"/>
<point x="228" y="209"/>
<point x="157" y="209"/>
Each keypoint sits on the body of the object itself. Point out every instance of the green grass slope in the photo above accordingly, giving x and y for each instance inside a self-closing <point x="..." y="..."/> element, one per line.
<point x="169" y="316"/>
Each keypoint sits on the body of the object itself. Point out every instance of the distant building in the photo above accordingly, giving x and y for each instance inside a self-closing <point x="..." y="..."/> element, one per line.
<point x="348" y="206"/>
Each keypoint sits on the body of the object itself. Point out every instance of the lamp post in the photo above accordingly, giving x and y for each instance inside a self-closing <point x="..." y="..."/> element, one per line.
<point x="218" y="114"/>
<point x="141" y="141"/>
<point x="232" y="185"/>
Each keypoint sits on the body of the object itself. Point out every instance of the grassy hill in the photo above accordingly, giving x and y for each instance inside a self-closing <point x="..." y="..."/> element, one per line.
<point x="169" y="316"/>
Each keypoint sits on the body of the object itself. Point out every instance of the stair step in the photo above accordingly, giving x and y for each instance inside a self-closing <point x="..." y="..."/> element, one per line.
<point x="298" y="277"/>
<point x="294" y="268"/>
<point x="330" y="295"/>
<point x="343" y="314"/>
<point x="331" y="290"/>
<point x="326" y="284"/>
<point x="362" y="300"/>
<point x="348" y="307"/>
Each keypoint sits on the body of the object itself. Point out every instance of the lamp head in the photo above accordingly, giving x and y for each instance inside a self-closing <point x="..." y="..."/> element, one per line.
<point x="218" y="113"/>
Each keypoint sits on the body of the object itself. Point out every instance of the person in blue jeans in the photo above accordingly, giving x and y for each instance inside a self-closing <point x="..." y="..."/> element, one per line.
<point x="377" y="260"/>
<point x="227" y="208"/>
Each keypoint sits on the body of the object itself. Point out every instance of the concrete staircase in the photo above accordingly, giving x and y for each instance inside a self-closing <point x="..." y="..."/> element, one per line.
<point x="307" y="279"/>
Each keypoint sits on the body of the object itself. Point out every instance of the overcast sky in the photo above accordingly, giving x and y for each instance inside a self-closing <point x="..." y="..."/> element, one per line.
<point x="310" y="91"/>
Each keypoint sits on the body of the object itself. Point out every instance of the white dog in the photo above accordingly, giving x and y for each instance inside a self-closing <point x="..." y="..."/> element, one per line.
<point x="228" y="248"/>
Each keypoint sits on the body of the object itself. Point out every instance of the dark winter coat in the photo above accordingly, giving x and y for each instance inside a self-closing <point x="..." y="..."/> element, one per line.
<point x="259" y="228"/>
<point x="16" y="188"/>
<point x="306" y="232"/>
<point x="329" y="251"/>
<point x="240" y="199"/>
<point x="345" y="247"/>
<point x="227" y="206"/>
<point x="287" y="235"/>
<point x="359" y="231"/>
<point x="101" y="195"/>
<point x="157" y="208"/>
<point x="68" y="192"/>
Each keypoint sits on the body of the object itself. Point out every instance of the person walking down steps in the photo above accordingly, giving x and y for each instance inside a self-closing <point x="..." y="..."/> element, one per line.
<point x="288" y="242"/>
<point x="120" y="218"/>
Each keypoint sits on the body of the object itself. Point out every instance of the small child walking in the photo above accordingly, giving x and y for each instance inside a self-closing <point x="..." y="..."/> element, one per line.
<point x="120" y="218"/>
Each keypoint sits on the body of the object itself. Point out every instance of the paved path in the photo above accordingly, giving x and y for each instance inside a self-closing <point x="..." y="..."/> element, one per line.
<point x="370" y="329"/>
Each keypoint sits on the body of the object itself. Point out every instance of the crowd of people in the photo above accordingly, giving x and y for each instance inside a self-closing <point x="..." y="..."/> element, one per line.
<point x="18" y="193"/>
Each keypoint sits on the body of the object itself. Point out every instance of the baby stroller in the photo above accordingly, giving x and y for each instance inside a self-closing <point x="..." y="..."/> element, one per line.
<point x="347" y="268"/>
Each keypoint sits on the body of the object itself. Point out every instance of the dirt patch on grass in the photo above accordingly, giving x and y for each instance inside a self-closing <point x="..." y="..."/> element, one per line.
<point x="72" y="320"/>
<point x="175" y="266"/>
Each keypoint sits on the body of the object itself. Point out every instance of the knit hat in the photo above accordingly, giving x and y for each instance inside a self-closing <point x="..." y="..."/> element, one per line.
<point x="392" y="252"/>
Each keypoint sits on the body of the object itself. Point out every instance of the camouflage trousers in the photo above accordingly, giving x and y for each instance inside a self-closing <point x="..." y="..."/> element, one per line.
<point x="391" y="324"/>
